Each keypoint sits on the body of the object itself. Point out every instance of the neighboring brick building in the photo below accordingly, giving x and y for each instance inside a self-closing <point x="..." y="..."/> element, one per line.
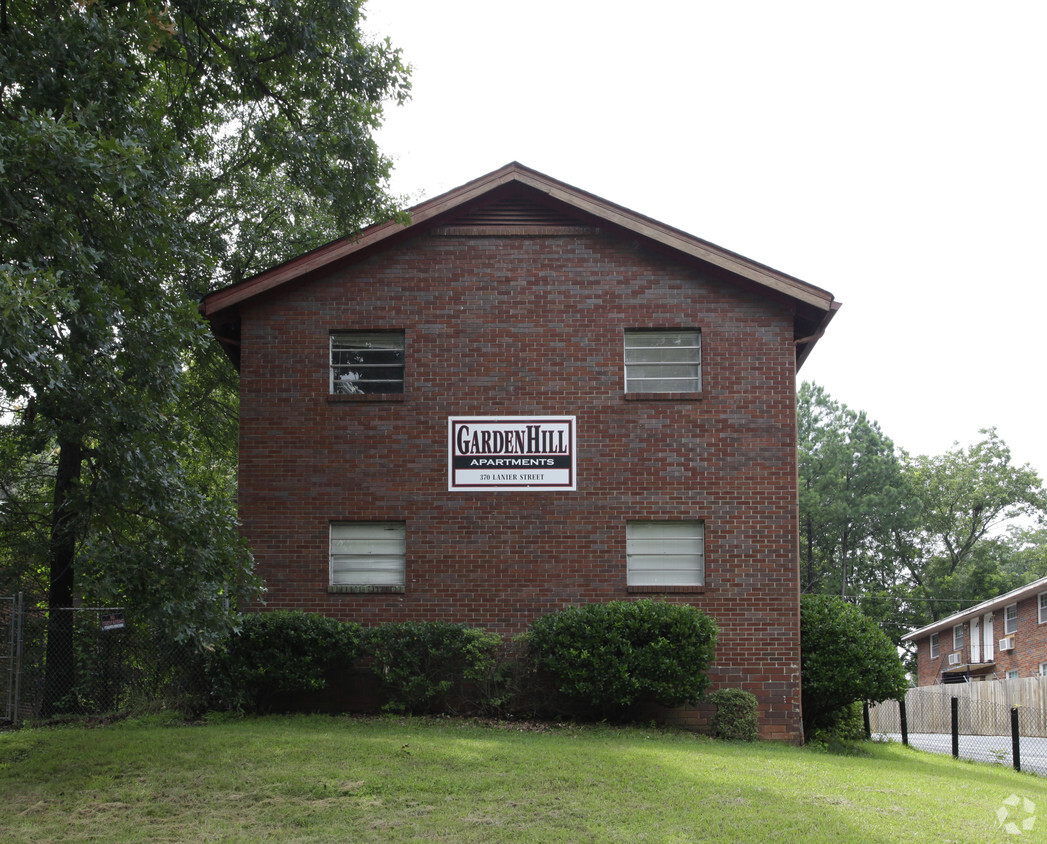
<point x="1003" y="638"/>
<point x="619" y="398"/>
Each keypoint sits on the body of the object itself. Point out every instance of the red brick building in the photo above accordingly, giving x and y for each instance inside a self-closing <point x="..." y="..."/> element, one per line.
<point x="1003" y="638"/>
<point x="528" y="398"/>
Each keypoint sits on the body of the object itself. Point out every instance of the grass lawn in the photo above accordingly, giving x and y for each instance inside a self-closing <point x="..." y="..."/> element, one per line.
<point x="321" y="778"/>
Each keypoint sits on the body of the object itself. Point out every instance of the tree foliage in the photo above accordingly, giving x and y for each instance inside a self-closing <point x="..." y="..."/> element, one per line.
<point x="957" y="551"/>
<point x="844" y="658"/>
<point x="147" y="154"/>
<point x="911" y="539"/>
<point x="854" y="495"/>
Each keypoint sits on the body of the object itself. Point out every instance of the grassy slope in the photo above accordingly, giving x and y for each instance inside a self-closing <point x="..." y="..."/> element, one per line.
<point x="335" y="779"/>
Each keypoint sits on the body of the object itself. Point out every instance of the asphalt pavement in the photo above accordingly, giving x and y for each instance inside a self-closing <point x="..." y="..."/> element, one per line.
<point x="1032" y="752"/>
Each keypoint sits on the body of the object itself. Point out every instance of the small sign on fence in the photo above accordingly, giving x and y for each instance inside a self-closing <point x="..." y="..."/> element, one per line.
<point x="112" y="621"/>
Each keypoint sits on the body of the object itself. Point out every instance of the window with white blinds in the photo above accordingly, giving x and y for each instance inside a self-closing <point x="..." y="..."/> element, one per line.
<point x="365" y="363"/>
<point x="368" y="553"/>
<point x="663" y="361"/>
<point x="665" y="553"/>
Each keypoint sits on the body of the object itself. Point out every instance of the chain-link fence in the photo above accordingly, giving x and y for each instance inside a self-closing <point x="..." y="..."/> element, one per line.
<point x="967" y="728"/>
<point x="99" y="661"/>
<point x="10" y="639"/>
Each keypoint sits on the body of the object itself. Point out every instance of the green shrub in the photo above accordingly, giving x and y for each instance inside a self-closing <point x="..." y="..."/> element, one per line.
<point x="425" y="666"/>
<point x="509" y="689"/>
<point x="735" y="717"/>
<point x="844" y="724"/>
<point x="277" y="657"/>
<point x="845" y="658"/>
<point x="610" y="656"/>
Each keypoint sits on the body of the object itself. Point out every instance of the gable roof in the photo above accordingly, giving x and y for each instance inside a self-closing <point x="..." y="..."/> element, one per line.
<point x="813" y="307"/>
<point x="1008" y="598"/>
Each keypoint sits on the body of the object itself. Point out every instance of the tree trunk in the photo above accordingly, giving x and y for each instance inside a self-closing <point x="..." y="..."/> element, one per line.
<point x="843" y="563"/>
<point x="60" y="676"/>
<point x="810" y="554"/>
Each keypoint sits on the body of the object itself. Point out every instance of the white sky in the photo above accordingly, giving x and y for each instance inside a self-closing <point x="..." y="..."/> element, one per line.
<point x="893" y="153"/>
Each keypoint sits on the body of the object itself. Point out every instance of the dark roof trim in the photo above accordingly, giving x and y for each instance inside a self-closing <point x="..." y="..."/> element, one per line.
<point x="806" y="297"/>
<point x="1022" y="593"/>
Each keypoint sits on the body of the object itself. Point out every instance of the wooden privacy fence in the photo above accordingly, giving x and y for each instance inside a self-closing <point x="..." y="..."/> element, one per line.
<point x="985" y="708"/>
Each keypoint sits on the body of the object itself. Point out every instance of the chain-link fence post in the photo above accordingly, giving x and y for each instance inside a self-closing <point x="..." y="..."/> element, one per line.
<point x="904" y="722"/>
<point x="954" y="705"/>
<point x="1015" y="742"/>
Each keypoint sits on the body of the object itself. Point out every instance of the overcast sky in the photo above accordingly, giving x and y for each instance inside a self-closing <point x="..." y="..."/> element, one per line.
<point x="893" y="153"/>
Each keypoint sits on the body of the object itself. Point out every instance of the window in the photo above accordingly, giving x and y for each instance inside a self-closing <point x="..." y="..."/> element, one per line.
<point x="934" y="646"/>
<point x="957" y="637"/>
<point x="663" y="361"/>
<point x="665" y="553"/>
<point x="1010" y="619"/>
<point x="368" y="554"/>
<point x="1012" y="674"/>
<point x="367" y="363"/>
<point x="1043" y="607"/>
<point x="1043" y="669"/>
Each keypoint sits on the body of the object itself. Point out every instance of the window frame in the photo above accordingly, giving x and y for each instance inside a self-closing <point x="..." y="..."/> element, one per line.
<point x="1042" y="669"/>
<point x="958" y="637"/>
<point x="640" y="536"/>
<point x="641" y="384"/>
<point x="1010" y="623"/>
<point x="935" y="646"/>
<point x="396" y="341"/>
<point x="387" y="547"/>
<point x="1041" y="605"/>
<point x="1012" y="674"/>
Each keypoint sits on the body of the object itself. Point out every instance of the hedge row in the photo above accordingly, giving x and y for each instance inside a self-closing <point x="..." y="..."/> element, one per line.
<point x="596" y="661"/>
<point x="603" y="661"/>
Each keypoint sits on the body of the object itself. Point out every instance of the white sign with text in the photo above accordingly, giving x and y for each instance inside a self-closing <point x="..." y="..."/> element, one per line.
<point x="529" y="453"/>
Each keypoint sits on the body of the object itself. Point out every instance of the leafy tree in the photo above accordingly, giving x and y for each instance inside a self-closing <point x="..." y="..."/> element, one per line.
<point x="910" y="539"/>
<point x="844" y="657"/>
<point x="853" y="496"/>
<point x="148" y="153"/>
<point x="1025" y="556"/>
<point x="956" y="555"/>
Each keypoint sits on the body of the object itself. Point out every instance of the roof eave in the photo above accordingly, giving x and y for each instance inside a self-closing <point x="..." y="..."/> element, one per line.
<point x="804" y="345"/>
<point x="1015" y="595"/>
<point x="795" y="289"/>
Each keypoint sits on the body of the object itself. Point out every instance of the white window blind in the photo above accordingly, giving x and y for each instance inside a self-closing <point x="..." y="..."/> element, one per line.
<point x="663" y="361"/>
<point x="366" y="363"/>
<point x="368" y="553"/>
<point x="665" y="553"/>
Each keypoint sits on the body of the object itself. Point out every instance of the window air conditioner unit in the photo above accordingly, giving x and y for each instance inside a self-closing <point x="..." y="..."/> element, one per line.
<point x="954" y="659"/>
<point x="1007" y="644"/>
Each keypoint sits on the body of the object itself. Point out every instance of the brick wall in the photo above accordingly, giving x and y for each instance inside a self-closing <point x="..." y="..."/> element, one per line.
<point x="529" y="326"/>
<point x="1030" y="646"/>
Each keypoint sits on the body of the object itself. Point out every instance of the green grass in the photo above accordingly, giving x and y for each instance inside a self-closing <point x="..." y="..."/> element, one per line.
<point x="317" y="778"/>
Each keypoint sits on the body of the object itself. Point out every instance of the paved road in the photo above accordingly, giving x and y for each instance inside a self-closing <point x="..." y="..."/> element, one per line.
<point x="996" y="749"/>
